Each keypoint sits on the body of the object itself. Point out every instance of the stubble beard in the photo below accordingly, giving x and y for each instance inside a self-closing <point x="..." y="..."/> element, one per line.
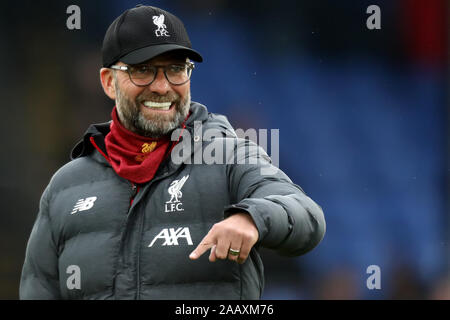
<point x="158" y="125"/>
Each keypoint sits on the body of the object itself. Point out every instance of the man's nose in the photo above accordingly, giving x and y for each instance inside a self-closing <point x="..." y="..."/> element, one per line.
<point x="160" y="85"/>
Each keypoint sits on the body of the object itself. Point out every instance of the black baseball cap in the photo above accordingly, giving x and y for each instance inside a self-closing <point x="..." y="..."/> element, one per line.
<point x="142" y="33"/>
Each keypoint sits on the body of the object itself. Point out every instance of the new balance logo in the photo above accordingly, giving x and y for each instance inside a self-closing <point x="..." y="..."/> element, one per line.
<point x="83" y="204"/>
<point x="171" y="236"/>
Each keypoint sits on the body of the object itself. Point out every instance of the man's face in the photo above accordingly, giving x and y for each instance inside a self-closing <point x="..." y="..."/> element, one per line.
<point x="134" y="104"/>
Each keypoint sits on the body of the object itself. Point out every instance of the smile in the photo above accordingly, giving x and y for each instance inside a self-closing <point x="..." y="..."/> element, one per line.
<point x="157" y="105"/>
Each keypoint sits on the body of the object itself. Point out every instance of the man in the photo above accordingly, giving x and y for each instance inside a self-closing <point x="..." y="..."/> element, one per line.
<point x="132" y="215"/>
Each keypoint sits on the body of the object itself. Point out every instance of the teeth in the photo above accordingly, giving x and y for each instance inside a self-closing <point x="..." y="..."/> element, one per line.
<point x="158" y="105"/>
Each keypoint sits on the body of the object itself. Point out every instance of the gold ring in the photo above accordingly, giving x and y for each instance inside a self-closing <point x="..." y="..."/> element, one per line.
<point x="234" y="252"/>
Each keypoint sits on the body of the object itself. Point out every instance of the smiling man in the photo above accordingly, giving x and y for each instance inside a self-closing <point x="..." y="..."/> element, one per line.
<point x="123" y="220"/>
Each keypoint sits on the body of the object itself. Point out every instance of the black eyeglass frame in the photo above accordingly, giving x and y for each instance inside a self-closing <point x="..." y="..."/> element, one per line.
<point x="189" y="65"/>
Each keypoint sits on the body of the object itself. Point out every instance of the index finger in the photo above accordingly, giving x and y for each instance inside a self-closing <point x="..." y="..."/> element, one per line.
<point x="202" y="247"/>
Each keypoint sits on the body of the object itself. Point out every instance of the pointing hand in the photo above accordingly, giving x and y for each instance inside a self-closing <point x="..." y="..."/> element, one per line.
<point x="231" y="238"/>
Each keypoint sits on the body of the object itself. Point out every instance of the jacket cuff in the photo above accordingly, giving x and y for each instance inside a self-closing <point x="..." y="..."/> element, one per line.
<point x="235" y="208"/>
<point x="243" y="208"/>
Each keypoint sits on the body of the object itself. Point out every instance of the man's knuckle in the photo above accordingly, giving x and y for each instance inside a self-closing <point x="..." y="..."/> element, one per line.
<point x="246" y="236"/>
<point x="217" y="228"/>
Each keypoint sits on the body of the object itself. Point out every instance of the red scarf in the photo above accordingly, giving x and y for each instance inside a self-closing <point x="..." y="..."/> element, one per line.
<point x="134" y="157"/>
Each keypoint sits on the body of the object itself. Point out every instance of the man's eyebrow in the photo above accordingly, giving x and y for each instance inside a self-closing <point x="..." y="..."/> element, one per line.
<point x="160" y="64"/>
<point x="170" y="62"/>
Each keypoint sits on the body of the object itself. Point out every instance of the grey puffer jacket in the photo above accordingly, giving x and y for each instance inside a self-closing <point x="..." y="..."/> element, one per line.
<point x="98" y="236"/>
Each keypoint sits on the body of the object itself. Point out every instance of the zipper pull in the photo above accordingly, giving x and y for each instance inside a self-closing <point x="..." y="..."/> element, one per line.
<point x="134" y="189"/>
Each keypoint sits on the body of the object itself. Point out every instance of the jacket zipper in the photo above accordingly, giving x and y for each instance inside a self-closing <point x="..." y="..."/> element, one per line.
<point x="135" y="191"/>
<point x="141" y="228"/>
<point x="138" y="264"/>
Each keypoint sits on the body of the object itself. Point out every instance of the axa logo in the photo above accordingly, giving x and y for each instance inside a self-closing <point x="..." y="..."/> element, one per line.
<point x="172" y="235"/>
<point x="83" y="204"/>
<point x="159" y="22"/>
<point x="174" y="203"/>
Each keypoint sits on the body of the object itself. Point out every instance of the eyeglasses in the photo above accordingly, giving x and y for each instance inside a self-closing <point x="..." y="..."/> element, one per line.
<point x="143" y="75"/>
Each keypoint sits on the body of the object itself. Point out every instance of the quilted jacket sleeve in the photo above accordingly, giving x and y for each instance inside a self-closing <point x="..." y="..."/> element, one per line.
<point x="40" y="278"/>
<point x="287" y="220"/>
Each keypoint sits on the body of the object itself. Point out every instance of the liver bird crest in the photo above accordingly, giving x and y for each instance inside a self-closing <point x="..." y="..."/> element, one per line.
<point x="159" y="22"/>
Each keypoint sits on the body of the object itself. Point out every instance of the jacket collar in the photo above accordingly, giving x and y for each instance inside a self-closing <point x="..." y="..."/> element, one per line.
<point x="199" y="113"/>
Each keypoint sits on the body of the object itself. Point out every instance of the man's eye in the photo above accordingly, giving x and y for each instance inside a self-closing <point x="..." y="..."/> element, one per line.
<point x="142" y="69"/>
<point x="177" y="68"/>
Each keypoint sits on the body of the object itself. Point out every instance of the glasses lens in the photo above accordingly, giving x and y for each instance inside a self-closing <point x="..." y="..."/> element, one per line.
<point x="178" y="73"/>
<point x="142" y="74"/>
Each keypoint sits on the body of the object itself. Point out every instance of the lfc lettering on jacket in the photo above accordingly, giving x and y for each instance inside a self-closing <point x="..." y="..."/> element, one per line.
<point x="172" y="207"/>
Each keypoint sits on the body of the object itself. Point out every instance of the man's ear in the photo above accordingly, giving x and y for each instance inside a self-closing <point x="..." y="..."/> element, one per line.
<point x="107" y="80"/>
